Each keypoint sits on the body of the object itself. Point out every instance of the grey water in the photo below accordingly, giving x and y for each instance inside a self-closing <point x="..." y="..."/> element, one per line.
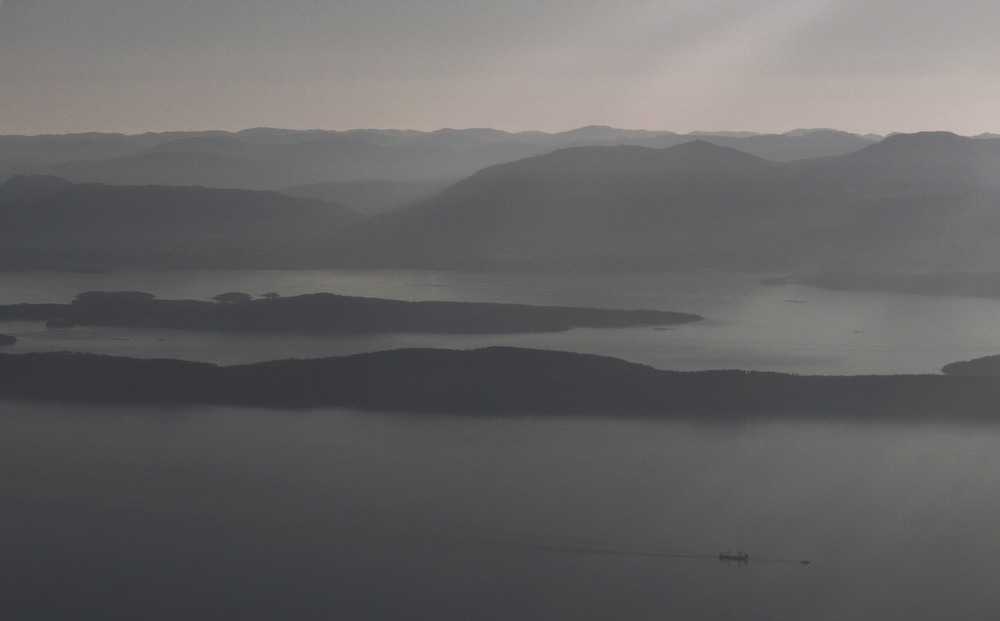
<point x="171" y="513"/>
<point x="221" y="513"/>
<point x="793" y="329"/>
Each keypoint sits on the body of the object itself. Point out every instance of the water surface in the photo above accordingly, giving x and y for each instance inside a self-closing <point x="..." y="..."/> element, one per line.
<point x="748" y="326"/>
<point x="203" y="512"/>
<point x="241" y="513"/>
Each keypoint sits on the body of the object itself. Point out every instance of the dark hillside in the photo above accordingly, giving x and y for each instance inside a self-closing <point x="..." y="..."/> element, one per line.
<point x="498" y="381"/>
<point x="157" y="225"/>
<point x="912" y="202"/>
<point x="593" y="206"/>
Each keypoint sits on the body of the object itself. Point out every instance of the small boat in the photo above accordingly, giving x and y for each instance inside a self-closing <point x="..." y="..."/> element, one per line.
<point x="729" y="557"/>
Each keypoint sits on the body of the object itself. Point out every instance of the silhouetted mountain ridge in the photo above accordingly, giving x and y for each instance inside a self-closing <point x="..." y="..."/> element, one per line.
<point x="268" y="158"/>
<point x="896" y="205"/>
<point x="144" y="225"/>
<point x="589" y="205"/>
<point x="922" y="202"/>
<point x="498" y="381"/>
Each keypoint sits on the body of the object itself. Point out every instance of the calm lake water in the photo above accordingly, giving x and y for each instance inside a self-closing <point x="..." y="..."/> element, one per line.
<point x="239" y="513"/>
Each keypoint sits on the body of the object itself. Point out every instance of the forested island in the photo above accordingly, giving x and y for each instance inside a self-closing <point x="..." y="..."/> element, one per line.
<point x="496" y="381"/>
<point x="326" y="313"/>
<point x="985" y="366"/>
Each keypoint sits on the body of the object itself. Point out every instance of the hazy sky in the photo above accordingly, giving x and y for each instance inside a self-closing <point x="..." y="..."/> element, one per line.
<point x="682" y="65"/>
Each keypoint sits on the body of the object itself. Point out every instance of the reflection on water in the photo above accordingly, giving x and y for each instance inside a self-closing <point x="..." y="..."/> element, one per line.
<point x="147" y="512"/>
<point x="176" y="513"/>
<point x="749" y="326"/>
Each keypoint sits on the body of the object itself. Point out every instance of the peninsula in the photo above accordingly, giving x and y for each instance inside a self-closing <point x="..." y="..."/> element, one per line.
<point x="326" y="313"/>
<point x="497" y="381"/>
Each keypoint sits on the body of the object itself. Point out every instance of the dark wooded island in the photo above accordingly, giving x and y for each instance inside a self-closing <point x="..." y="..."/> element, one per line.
<point x="327" y="313"/>
<point x="985" y="366"/>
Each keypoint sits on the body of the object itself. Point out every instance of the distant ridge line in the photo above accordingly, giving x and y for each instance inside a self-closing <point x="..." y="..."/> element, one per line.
<point x="499" y="381"/>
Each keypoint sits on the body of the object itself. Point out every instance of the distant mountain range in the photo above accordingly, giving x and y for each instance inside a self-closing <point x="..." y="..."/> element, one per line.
<point x="272" y="159"/>
<point x="922" y="201"/>
<point x="919" y="202"/>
